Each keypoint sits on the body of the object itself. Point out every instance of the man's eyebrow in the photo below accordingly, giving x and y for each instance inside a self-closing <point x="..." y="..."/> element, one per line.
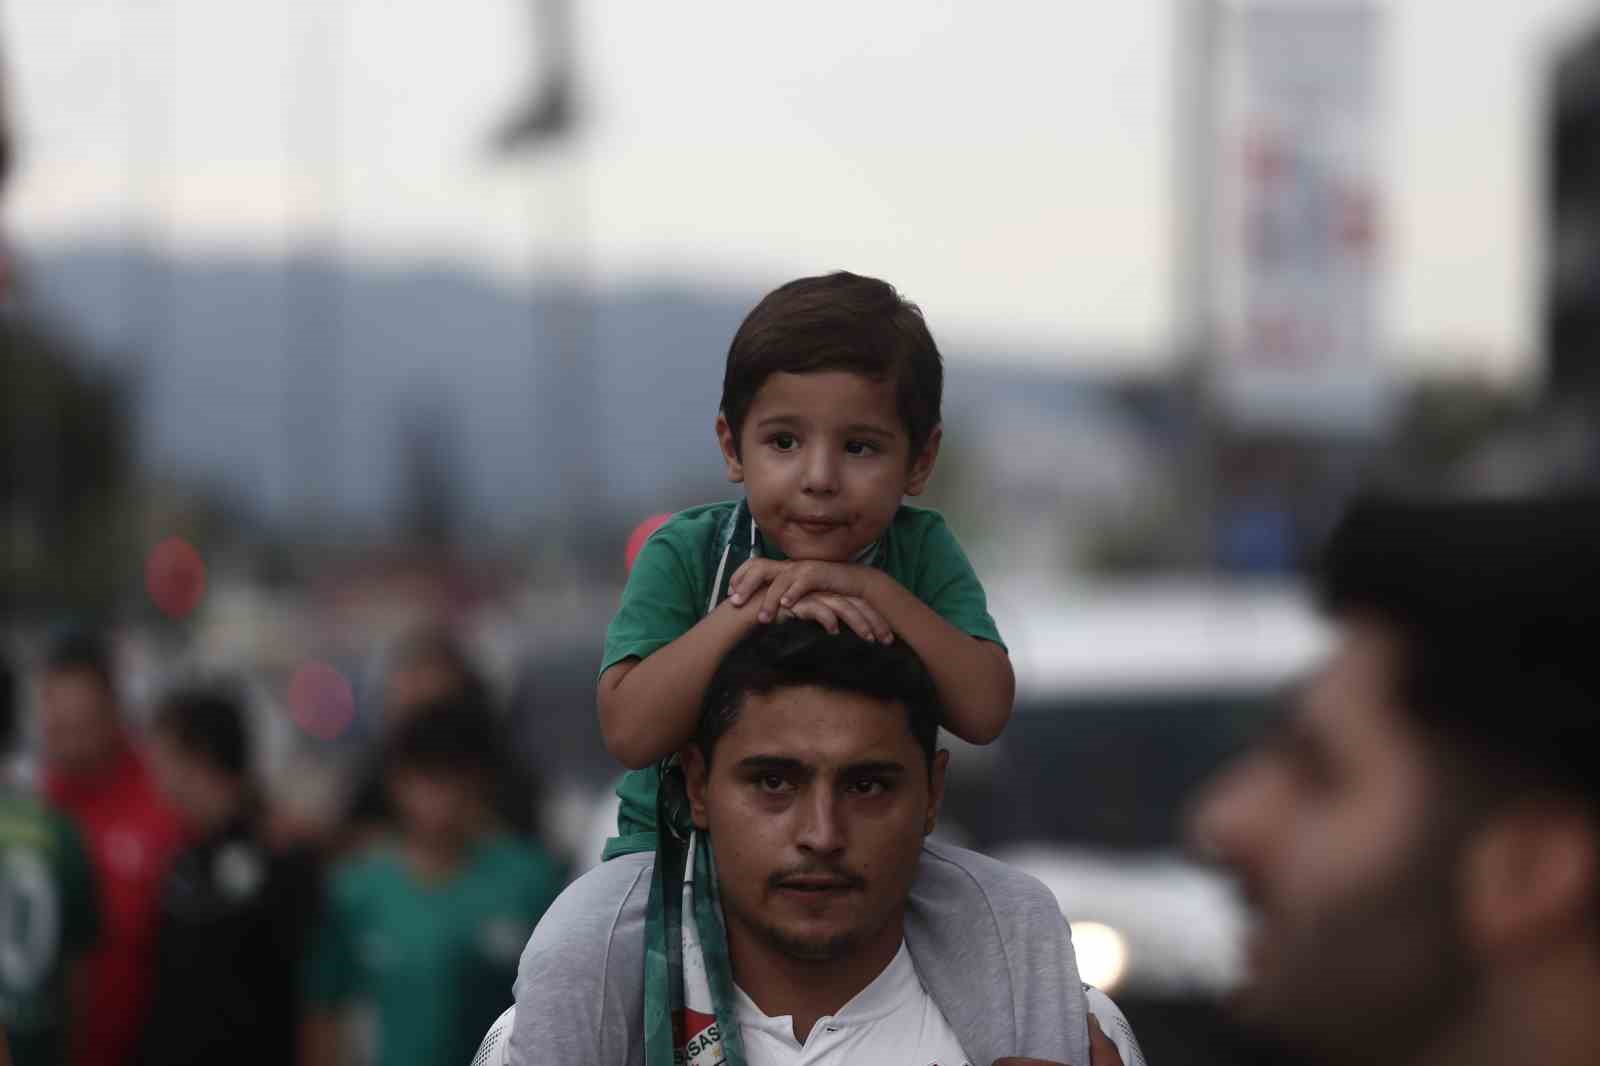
<point x="880" y="767"/>
<point x="772" y="763"/>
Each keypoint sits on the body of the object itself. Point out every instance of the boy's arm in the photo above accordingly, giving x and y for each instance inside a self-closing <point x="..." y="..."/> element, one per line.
<point x="974" y="676"/>
<point x="649" y="707"/>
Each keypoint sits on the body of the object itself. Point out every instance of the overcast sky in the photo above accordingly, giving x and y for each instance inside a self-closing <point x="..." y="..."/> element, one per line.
<point x="1007" y="164"/>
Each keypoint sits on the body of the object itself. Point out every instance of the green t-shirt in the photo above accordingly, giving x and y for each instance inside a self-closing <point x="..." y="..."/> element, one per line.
<point x="49" y="917"/>
<point x="671" y="588"/>
<point x="436" y="962"/>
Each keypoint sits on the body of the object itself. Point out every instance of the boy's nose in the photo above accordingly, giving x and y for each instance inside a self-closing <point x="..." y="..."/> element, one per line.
<point x="820" y="475"/>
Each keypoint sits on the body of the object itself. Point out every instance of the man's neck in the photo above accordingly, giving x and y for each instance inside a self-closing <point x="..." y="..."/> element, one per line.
<point x="806" y="989"/>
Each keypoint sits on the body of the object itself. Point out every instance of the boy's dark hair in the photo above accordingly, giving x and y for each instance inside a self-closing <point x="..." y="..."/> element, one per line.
<point x="81" y="652"/>
<point x="209" y="724"/>
<point x="798" y="653"/>
<point x="1497" y="603"/>
<point x="451" y="737"/>
<point x="838" y="321"/>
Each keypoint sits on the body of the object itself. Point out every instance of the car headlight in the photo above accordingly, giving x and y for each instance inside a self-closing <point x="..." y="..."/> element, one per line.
<point x="1102" y="954"/>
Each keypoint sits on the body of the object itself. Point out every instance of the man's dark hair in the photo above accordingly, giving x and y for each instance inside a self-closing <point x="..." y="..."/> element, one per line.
<point x="799" y="653"/>
<point x="1497" y="604"/>
<point x="81" y="652"/>
<point x="437" y="645"/>
<point x="838" y="321"/>
<point x="208" y="723"/>
<point x="450" y="737"/>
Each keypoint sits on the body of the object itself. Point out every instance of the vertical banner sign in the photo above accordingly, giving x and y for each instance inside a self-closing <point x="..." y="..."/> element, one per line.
<point x="1298" y="346"/>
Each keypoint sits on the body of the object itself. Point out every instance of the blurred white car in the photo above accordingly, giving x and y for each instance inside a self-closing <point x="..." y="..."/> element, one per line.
<point x="1128" y="696"/>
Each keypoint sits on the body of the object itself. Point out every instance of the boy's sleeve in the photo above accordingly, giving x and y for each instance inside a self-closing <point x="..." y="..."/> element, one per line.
<point x="659" y="604"/>
<point x="947" y="583"/>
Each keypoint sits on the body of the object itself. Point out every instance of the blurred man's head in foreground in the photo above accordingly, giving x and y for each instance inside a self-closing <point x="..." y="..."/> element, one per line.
<point x="1420" y="835"/>
<point x="80" y="725"/>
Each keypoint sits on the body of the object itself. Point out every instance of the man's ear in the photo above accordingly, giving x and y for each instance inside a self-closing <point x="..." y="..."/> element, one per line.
<point x="941" y="760"/>
<point x="1532" y="877"/>
<point x="729" y="443"/>
<point x="695" y="773"/>
<point x="922" y="466"/>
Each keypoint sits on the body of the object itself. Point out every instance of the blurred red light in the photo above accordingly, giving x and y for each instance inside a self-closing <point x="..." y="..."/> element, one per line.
<point x="175" y="577"/>
<point x="321" y="701"/>
<point x="640" y="534"/>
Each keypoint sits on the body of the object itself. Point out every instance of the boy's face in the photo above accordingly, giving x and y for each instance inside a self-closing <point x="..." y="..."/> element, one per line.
<point x="825" y="460"/>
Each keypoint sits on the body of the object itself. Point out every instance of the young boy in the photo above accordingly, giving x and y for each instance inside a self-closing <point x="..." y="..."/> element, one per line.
<point x="829" y="418"/>
<point x="426" y="928"/>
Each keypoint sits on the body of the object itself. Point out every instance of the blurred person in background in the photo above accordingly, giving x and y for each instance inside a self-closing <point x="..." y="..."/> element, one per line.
<point x="50" y="919"/>
<point x="1420" y="836"/>
<point x="425" y="928"/>
<point x="430" y="667"/>
<point x="94" y="773"/>
<point x="234" y="913"/>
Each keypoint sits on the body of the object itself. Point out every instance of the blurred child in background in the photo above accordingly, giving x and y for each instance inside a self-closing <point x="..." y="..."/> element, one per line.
<point x="425" y="927"/>
<point x="234" y="914"/>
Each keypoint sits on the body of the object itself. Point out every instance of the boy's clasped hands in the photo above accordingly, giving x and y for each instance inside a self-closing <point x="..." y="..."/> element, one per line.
<point x="830" y="594"/>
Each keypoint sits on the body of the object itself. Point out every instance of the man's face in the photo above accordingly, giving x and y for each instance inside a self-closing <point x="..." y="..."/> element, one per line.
<point x="1336" y="831"/>
<point x="817" y="802"/>
<point x="825" y="459"/>
<point x="78" y="723"/>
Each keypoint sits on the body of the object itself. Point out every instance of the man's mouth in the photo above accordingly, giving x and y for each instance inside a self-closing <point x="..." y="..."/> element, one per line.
<point x="818" y="885"/>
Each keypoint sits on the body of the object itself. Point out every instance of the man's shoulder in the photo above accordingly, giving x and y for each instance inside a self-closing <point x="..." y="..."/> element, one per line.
<point x="1007" y="887"/>
<point x="602" y="912"/>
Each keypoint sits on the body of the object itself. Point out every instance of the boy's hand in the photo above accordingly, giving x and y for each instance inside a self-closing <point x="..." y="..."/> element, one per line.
<point x="790" y="581"/>
<point x="828" y="609"/>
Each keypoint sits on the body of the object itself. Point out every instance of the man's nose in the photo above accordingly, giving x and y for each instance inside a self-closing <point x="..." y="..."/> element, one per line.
<point x="821" y="828"/>
<point x="1228" y="818"/>
<point x="820" y="474"/>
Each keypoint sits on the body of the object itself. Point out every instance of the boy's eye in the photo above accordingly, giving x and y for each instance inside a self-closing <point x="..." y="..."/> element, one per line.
<point x="861" y="447"/>
<point x="869" y="786"/>
<point x="784" y="441"/>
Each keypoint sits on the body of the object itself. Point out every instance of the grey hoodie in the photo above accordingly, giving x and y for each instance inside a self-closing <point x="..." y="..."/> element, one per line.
<point x="988" y="941"/>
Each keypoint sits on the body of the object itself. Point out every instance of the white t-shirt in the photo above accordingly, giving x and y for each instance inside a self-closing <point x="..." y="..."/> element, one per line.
<point x="891" y="1022"/>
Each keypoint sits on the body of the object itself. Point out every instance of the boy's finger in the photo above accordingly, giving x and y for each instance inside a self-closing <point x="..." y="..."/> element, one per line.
<point x="848" y="610"/>
<point x="751" y="575"/>
<point x="880" y="626"/>
<point x="772" y="602"/>
<point x="816" y="611"/>
<point x="803" y="581"/>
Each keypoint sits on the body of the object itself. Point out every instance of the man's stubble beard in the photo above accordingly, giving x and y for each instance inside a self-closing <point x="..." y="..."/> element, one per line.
<point x="1380" y="977"/>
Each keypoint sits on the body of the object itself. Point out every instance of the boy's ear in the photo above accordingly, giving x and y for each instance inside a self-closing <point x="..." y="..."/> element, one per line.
<point x="730" y="449"/>
<point x="922" y="465"/>
<point x="695" y="772"/>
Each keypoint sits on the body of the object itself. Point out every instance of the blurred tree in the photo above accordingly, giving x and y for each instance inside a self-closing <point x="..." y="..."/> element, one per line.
<point x="67" y="466"/>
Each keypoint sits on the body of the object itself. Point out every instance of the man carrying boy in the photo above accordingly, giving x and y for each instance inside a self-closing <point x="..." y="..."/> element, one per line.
<point x="830" y="417"/>
<point x="846" y="936"/>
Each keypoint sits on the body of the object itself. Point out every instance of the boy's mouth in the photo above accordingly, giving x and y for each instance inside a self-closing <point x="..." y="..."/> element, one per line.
<point x="816" y="525"/>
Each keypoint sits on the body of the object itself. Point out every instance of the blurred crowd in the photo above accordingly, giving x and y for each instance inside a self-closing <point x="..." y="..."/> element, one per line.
<point x="164" y="908"/>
